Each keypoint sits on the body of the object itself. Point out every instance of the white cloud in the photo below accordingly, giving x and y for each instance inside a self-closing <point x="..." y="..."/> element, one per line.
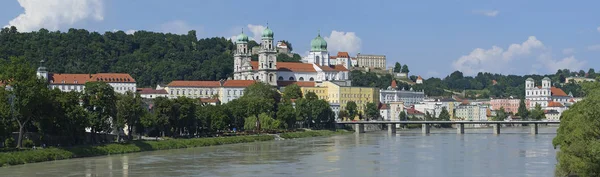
<point x="178" y="27"/>
<point x="489" y="13"/>
<point x="256" y="31"/>
<point x="131" y="31"/>
<point x="343" y="41"/>
<point x="566" y="63"/>
<point x="498" y="60"/>
<point x="53" y="14"/>
<point x="594" y="47"/>
<point x="568" y="51"/>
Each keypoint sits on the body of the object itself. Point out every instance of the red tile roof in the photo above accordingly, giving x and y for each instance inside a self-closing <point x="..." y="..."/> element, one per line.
<point x="289" y="66"/>
<point x="80" y="79"/>
<point x="299" y="83"/>
<point x="238" y="83"/>
<point x="419" y="78"/>
<point x="151" y="91"/>
<point x="554" y="104"/>
<point x="343" y="55"/>
<point x="383" y="106"/>
<point x="413" y="111"/>
<point x="194" y="84"/>
<point x="557" y="92"/>
<point x="332" y="57"/>
<point x="209" y="100"/>
<point x="394" y="85"/>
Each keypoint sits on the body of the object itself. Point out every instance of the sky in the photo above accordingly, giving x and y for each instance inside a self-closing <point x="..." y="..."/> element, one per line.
<point x="434" y="38"/>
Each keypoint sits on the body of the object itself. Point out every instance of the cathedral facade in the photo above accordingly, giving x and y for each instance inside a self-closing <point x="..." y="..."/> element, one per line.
<point x="315" y="67"/>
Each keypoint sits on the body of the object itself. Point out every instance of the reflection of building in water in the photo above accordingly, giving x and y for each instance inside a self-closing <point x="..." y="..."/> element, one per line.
<point x="125" y="160"/>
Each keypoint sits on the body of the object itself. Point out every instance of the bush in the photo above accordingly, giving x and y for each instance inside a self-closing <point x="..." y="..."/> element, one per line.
<point x="28" y="143"/>
<point x="49" y="154"/>
<point x="9" y="142"/>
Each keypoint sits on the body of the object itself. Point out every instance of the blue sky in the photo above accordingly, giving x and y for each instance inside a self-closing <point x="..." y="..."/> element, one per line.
<point x="433" y="37"/>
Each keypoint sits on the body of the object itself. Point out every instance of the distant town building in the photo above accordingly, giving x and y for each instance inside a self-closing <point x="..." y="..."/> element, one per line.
<point x="544" y="94"/>
<point x="509" y="104"/>
<point x="408" y="97"/>
<point x="578" y="79"/>
<point x="225" y="90"/>
<point x="152" y="93"/>
<point x="419" y="80"/>
<point x="283" y="48"/>
<point x="120" y="82"/>
<point x="371" y="61"/>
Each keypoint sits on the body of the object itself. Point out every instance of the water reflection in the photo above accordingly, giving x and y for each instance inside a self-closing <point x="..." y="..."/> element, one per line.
<point x="406" y="153"/>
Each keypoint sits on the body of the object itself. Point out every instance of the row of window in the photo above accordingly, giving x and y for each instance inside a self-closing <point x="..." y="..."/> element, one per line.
<point x="81" y="87"/>
<point x="194" y="91"/>
<point x="537" y="93"/>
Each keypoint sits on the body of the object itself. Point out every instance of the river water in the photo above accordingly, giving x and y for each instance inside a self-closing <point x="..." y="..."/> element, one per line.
<point x="443" y="153"/>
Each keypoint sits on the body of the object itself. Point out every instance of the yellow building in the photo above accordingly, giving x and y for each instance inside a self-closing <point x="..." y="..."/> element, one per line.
<point x="360" y="95"/>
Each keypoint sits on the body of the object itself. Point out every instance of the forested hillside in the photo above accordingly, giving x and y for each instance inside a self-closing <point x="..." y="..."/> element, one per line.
<point x="150" y="57"/>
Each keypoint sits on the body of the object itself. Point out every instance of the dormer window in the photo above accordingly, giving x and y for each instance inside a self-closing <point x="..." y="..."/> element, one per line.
<point x="63" y="81"/>
<point x="76" y="81"/>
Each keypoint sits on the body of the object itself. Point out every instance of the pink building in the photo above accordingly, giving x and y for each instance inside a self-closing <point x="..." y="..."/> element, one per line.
<point x="510" y="105"/>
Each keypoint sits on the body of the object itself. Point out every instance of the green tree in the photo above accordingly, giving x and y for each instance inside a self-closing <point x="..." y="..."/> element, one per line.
<point x="522" y="111"/>
<point x="343" y="114"/>
<point x="159" y="119"/>
<point x="260" y="98"/>
<point x="67" y="120"/>
<point x="371" y="111"/>
<point x="578" y="136"/>
<point x="292" y="92"/>
<point x="287" y="114"/>
<point x="282" y="57"/>
<point x="501" y="115"/>
<point x="130" y="110"/>
<point x="397" y="67"/>
<point x="402" y="116"/>
<point x="591" y="73"/>
<point x="445" y="116"/>
<point x="352" y="110"/>
<point x="405" y="69"/>
<point x="429" y="117"/>
<point x="99" y="100"/>
<point x="537" y="113"/>
<point x="28" y="95"/>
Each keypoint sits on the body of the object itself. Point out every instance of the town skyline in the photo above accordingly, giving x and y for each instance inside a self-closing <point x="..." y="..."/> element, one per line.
<point x="469" y="36"/>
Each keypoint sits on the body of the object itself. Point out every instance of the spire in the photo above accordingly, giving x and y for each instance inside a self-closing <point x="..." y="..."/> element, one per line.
<point x="319" y="33"/>
<point x="242" y="30"/>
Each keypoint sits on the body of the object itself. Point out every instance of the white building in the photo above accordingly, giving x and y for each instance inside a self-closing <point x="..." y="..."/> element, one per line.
<point x="419" y="80"/>
<point x="121" y="82"/>
<point x="224" y="90"/>
<point x="544" y="94"/>
<point x="408" y="97"/>
<point x="316" y="67"/>
<point x="151" y="93"/>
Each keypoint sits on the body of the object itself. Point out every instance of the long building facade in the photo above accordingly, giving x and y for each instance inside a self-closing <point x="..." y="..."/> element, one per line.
<point x="392" y="94"/>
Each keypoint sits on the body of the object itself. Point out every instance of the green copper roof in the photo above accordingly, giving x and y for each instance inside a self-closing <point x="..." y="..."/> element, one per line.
<point x="242" y="38"/>
<point x="267" y="33"/>
<point x="318" y="44"/>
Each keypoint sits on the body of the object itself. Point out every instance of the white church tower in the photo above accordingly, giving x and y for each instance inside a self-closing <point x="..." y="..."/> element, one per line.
<point x="42" y="72"/>
<point x="267" y="59"/>
<point x="241" y="59"/>
<point x="318" y="52"/>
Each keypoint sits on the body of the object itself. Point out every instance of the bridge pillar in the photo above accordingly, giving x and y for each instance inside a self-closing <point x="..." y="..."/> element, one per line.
<point x="425" y="128"/>
<point x="534" y="129"/>
<point x="391" y="128"/>
<point x="497" y="128"/>
<point x="460" y="128"/>
<point x="359" y="128"/>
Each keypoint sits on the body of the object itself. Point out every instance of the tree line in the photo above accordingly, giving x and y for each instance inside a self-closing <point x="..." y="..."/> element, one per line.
<point x="62" y="117"/>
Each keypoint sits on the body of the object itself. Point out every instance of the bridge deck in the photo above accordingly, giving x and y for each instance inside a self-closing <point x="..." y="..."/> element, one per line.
<point x="448" y="122"/>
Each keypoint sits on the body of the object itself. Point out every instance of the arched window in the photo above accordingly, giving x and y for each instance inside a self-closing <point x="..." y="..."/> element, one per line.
<point x="256" y="77"/>
<point x="317" y="59"/>
<point x="301" y="79"/>
<point x="280" y="78"/>
<point x="270" y="64"/>
<point x="291" y="78"/>
<point x="269" y="46"/>
<point x="311" y="79"/>
<point x="271" y="78"/>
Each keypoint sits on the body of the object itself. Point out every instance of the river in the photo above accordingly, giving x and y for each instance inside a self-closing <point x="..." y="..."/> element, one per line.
<point x="443" y="153"/>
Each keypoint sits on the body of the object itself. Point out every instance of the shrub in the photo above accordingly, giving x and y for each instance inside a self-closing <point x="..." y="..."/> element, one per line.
<point x="28" y="143"/>
<point x="9" y="142"/>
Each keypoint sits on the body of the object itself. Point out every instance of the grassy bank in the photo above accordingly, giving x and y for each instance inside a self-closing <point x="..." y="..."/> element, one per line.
<point x="313" y="133"/>
<point x="50" y="154"/>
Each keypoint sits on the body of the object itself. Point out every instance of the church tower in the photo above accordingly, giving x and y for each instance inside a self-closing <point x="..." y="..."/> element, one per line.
<point x="318" y="51"/>
<point x="42" y="72"/>
<point x="267" y="59"/>
<point x="241" y="59"/>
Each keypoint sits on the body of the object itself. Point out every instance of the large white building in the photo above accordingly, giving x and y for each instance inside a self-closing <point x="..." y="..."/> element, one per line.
<point x="315" y="67"/>
<point x="392" y="94"/>
<point x="121" y="82"/>
<point x="544" y="94"/>
<point x="224" y="90"/>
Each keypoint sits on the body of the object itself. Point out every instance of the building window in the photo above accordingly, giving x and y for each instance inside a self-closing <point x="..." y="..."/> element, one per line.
<point x="301" y="79"/>
<point x="280" y="78"/>
<point x="291" y="78"/>
<point x="312" y="79"/>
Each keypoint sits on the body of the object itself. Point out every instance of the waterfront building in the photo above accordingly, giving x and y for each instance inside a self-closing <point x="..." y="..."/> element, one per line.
<point x="371" y="61"/>
<point x="544" y="94"/>
<point x="392" y="94"/>
<point x="471" y="112"/>
<point x="509" y="104"/>
<point x="224" y="90"/>
<point x="120" y="82"/>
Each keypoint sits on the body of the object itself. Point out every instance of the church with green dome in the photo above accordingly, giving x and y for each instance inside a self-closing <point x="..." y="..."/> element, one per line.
<point x="315" y="68"/>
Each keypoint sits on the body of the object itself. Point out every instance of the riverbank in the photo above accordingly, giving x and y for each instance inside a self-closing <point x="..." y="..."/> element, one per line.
<point x="51" y="154"/>
<point x="313" y="133"/>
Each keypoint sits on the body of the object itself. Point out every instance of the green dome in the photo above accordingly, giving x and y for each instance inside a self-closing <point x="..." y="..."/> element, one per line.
<point x="318" y="44"/>
<point x="242" y="38"/>
<point x="267" y="33"/>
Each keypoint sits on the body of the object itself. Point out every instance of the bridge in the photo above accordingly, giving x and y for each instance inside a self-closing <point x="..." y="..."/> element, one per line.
<point x="359" y="126"/>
